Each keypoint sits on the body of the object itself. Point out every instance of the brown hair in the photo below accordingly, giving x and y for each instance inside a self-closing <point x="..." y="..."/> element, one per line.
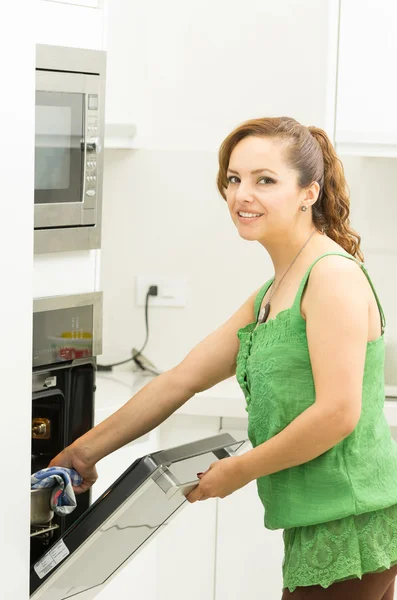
<point x="311" y="154"/>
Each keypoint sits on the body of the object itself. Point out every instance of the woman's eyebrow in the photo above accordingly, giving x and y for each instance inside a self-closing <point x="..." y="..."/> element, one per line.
<point x="253" y="172"/>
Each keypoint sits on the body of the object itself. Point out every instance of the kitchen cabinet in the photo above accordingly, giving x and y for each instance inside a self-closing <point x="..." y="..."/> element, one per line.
<point x="70" y="24"/>
<point x="221" y="547"/>
<point x="186" y="548"/>
<point x="125" y="77"/>
<point x="248" y="556"/>
<point x="367" y="89"/>
<point x="186" y="84"/>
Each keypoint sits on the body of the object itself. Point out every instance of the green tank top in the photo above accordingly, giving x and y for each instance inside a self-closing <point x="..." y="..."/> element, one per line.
<point x="357" y="475"/>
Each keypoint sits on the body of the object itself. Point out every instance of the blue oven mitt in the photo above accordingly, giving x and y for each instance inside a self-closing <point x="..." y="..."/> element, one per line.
<point x="63" y="499"/>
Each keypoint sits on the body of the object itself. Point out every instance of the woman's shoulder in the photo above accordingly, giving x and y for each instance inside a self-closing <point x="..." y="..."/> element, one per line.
<point x="332" y="275"/>
<point x="330" y="257"/>
<point x="335" y="262"/>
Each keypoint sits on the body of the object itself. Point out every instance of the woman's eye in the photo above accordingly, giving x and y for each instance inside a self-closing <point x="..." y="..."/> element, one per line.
<point x="266" y="180"/>
<point x="233" y="179"/>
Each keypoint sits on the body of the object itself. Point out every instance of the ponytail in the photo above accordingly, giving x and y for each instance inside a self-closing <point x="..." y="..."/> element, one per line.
<point x="332" y="209"/>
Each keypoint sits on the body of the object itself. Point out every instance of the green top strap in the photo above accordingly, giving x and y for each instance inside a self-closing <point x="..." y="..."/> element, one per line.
<point x="298" y="298"/>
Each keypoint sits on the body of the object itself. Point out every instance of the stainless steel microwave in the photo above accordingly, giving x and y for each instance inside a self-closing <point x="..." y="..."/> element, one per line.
<point x="69" y="131"/>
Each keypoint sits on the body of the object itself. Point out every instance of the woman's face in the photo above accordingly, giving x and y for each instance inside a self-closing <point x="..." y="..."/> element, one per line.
<point x="263" y="195"/>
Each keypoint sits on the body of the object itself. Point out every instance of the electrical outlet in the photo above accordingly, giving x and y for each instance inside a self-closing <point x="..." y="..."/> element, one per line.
<point x="172" y="291"/>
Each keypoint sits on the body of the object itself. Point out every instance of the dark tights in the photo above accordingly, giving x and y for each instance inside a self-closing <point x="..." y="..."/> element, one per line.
<point x="372" y="586"/>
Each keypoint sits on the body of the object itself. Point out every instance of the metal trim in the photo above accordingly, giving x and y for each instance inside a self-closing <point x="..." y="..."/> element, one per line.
<point x="69" y="238"/>
<point x="71" y="60"/>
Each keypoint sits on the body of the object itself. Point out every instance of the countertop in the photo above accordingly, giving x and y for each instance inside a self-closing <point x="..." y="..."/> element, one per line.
<point x="223" y="400"/>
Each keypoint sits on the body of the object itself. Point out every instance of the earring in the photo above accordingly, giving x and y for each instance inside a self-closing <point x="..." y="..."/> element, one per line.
<point x="303" y="208"/>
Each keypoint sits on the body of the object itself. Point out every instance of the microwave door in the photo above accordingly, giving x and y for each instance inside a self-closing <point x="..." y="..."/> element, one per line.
<point x="127" y="516"/>
<point x="67" y="133"/>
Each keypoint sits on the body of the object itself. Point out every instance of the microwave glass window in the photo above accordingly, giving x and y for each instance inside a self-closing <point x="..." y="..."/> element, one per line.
<point x="53" y="143"/>
<point x="59" y="147"/>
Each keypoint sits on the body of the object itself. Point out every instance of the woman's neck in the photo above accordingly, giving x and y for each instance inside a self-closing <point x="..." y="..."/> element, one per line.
<point x="282" y="253"/>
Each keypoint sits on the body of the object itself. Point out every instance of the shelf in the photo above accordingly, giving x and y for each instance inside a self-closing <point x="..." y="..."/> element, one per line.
<point x="120" y="135"/>
<point x="352" y="143"/>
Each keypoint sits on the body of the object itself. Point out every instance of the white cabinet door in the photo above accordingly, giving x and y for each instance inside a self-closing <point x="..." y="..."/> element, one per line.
<point x="187" y="73"/>
<point x="186" y="548"/>
<point x="63" y="24"/>
<point x="249" y="557"/>
<point x="126" y="46"/>
<point x="367" y="87"/>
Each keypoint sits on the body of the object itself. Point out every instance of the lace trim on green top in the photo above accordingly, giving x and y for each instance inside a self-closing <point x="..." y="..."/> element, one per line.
<point x="342" y="549"/>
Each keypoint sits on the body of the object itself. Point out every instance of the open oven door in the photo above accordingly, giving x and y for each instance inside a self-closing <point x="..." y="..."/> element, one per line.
<point x="127" y="515"/>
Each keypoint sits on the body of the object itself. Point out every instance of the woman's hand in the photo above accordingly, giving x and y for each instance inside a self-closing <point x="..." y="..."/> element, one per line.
<point x="222" y="479"/>
<point x="73" y="458"/>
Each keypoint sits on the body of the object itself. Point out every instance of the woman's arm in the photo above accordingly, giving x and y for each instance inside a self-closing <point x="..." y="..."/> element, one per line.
<point x="336" y="310"/>
<point x="211" y="361"/>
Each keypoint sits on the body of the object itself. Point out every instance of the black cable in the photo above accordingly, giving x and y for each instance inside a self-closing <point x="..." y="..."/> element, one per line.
<point x="152" y="291"/>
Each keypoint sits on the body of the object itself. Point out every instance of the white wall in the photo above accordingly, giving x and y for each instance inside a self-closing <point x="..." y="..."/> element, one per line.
<point x="16" y="243"/>
<point x="163" y="214"/>
<point x="208" y="66"/>
<point x="373" y="184"/>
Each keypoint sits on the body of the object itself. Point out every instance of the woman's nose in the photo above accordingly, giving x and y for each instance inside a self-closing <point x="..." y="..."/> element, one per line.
<point x="244" y="193"/>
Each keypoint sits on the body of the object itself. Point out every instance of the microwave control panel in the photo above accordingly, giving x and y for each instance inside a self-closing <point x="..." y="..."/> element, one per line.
<point x="93" y="143"/>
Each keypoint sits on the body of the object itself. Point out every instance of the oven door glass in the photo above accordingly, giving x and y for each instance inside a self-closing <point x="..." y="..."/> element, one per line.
<point x="59" y="147"/>
<point x="123" y="519"/>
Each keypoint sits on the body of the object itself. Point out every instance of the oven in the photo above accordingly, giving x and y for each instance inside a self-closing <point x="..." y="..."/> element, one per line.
<point x="66" y="340"/>
<point x="69" y="132"/>
<point x="78" y="555"/>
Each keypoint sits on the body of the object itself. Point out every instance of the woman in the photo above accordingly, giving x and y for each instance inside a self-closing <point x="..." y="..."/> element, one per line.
<point x="308" y="351"/>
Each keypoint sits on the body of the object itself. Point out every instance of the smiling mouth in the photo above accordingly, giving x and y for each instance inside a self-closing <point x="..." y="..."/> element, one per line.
<point x="249" y="215"/>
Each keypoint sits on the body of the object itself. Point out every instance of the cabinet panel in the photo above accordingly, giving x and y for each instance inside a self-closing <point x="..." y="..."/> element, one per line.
<point x="63" y="24"/>
<point x="249" y="557"/>
<point x="186" y="77"/>
<point x="367" y="91"/>
<point x="186" y="548"/>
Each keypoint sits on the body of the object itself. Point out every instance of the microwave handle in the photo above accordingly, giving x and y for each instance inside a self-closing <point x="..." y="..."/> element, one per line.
<point x="94" y="144"/>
